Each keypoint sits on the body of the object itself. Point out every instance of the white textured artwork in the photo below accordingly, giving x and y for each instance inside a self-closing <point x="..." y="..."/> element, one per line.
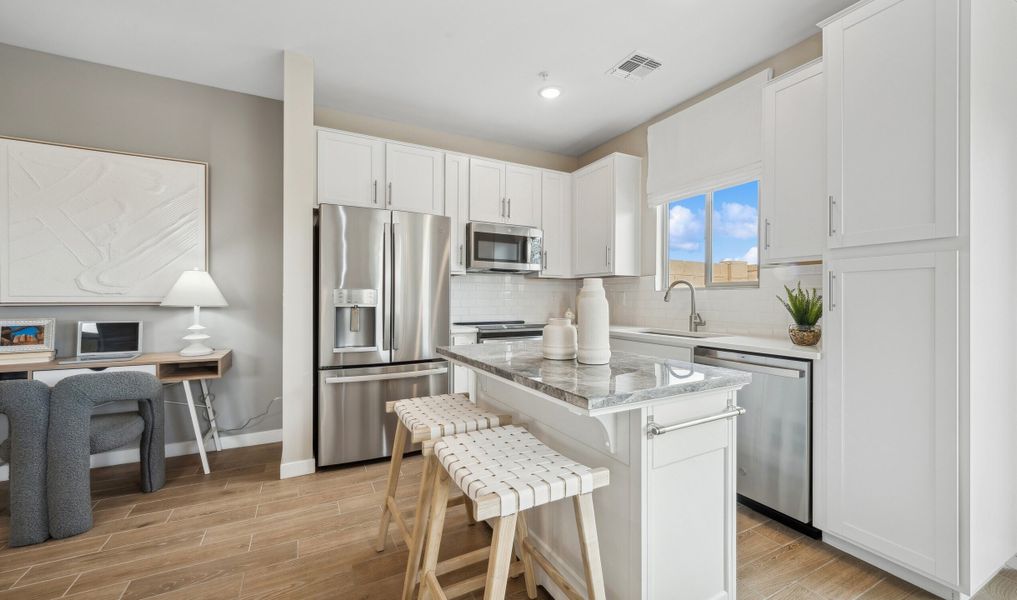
<point x="81" y="226"/>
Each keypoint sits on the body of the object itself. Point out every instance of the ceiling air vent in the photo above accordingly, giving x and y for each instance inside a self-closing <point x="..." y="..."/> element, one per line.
<point x="636" y="66"/>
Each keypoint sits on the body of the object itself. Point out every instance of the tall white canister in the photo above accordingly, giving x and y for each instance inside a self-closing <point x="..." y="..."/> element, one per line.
<point x="594" y="320"/>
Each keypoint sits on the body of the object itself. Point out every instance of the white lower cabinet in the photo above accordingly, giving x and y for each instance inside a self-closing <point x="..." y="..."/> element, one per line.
<point x="661" y="350"/>
<point x="461" y="380"/>
<point x="891" y="351"/>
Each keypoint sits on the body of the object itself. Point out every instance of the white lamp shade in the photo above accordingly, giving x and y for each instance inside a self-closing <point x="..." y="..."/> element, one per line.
<point x="194" y="288"/>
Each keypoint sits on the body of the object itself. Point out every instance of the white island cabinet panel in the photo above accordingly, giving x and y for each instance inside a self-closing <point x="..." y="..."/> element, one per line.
<point x="892" y="104"/>
<point x="892" y="408"/>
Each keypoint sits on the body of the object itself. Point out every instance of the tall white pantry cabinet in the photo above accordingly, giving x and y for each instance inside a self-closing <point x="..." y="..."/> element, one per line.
<point x="918" y="473"/>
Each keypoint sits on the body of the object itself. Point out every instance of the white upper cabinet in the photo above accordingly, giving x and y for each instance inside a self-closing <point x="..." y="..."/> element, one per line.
<point x="891" y="424"/>
<point x="414" y="178"/>
<point x="605" y="208"/>
<point x="522" y="195"/>
<point x="351" y="169"/>
<point x="793" y="194"/>
<point x="457" y="206"/>
<point x="892" y="82"/>
<point x="487" y="190"/>
<point x="504" y="193"/>
<point x="556" y="222"/>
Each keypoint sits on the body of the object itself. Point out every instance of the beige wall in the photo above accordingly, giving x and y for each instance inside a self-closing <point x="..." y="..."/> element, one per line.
<point x="335" y="119"/>
<point x="634" y="141"/>
<point x="51" y="98"/>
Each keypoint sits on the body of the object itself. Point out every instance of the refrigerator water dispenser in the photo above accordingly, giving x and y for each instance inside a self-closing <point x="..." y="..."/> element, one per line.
<point x="355" y="318"/>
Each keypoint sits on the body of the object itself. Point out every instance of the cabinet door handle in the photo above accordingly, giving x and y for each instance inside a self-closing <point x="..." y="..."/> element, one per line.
<point x="390" y="193"/>
<point x="375" y="191"/>
<point x="460" y="254"/>
<point x="501" y="211"/>
<point x="832" y="203"/>
<point x="766" y="234"/>
<point x="509" y="208"/>
<point x="607" y="256"/>
<point x="829" y="291"/>
<point x="545" y="260"/>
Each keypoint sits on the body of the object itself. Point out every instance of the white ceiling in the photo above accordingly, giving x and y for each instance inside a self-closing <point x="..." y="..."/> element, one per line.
<point x="462" y="66"/>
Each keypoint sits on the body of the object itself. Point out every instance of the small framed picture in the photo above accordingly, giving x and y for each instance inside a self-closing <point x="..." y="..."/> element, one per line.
<point x="27" y="335"/>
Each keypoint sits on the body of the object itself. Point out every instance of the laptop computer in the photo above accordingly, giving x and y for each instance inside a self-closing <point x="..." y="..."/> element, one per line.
<point x="106" y="341"/>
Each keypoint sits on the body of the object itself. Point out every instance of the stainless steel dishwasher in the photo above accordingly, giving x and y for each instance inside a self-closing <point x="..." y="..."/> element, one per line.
<point x="774" y="434"/>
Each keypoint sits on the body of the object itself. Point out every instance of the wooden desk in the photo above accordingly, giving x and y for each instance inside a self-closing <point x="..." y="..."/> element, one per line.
<point x="170" y="368"/>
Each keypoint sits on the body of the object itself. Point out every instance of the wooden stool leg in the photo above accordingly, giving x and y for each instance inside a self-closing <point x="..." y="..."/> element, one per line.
<point x="427" y="483"/>
<point x="590" y="546"/>
<point x="469" y="506"/>
<point x="435" y="525"/>
<point x="500" y="559"/>
<point x="523" y="532"/>
<point x="398" y="446"/>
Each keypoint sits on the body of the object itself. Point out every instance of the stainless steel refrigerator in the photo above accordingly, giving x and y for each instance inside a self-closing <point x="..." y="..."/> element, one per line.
<point x="382" y="309"/>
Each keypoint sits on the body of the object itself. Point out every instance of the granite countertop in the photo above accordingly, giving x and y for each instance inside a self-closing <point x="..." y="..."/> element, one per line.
<point x="627" y="379"/>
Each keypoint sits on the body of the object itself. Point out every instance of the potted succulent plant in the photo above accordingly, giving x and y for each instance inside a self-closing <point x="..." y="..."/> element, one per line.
<point x="806" y="308"/>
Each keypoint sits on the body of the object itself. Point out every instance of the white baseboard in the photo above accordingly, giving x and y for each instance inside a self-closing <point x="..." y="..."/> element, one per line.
<point x="296" y="468"/>
<point x="128" y="455"/>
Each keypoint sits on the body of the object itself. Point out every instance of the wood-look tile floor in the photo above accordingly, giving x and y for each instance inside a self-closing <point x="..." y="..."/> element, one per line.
<point x="240" y="532"/>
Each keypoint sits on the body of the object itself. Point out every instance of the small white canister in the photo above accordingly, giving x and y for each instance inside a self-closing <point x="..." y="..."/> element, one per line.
<point x="559" y="339"/>
<point x="594" y="342"/>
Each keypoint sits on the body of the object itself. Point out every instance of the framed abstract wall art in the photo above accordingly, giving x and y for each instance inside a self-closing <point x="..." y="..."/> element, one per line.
<point x="86" y="226"/>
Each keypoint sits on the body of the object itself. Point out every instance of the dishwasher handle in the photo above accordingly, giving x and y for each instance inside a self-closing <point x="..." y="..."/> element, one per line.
<point x="750" y="367"/>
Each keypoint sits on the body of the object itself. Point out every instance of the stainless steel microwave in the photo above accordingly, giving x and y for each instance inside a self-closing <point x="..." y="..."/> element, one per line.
<point x="497" y="248"/>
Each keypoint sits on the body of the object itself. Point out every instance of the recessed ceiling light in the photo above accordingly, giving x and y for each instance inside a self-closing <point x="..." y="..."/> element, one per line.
<point x="550" y="92"/>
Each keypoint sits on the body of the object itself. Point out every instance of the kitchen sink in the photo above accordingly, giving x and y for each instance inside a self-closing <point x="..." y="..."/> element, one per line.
<point x="684" y="334"/>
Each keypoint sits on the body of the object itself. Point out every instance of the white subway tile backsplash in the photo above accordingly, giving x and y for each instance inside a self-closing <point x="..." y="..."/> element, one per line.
<point x="633" y="301"/>
<point x="491" y="297"/>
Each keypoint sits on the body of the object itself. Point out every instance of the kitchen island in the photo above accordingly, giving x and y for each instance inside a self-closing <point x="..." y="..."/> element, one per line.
<point x="666" y="431"/>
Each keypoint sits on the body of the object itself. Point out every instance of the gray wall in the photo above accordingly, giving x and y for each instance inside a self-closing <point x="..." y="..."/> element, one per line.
<point x="51" y="98"/>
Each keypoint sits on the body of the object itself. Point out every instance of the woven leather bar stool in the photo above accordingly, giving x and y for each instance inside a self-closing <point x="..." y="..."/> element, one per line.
<point x="424" y="420"/>
<point x="506" y="471"/>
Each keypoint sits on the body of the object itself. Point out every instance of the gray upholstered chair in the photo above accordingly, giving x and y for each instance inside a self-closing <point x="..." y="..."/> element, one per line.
<point x="75" y="433"/>
<point x="26" y="404"/>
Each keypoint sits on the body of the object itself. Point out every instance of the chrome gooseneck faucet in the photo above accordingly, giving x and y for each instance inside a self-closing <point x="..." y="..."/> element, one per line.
<point x="695" y="320"/>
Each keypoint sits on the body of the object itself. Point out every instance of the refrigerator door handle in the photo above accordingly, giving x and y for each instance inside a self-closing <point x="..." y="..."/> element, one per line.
<point x="387" y="376"/>
<point x="395" y="277"/>
<point x="386" y="293"/>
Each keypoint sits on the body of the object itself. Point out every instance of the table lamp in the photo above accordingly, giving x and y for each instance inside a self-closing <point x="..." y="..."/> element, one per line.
<point x="195" y="288"/>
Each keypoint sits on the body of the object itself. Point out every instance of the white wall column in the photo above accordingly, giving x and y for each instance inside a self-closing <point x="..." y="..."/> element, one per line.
<point x="298" y="265"/>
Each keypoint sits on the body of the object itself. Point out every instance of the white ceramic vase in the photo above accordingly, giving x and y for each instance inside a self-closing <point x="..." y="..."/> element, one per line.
<point x="594" y="347"/>
<point x="559" y="339"/>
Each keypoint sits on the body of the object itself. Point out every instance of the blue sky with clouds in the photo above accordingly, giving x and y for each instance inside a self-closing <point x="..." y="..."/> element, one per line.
<point x="735" y="225"/>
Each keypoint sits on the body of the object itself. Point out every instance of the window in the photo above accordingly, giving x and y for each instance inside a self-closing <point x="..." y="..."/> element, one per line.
<point x="712" y="239"/>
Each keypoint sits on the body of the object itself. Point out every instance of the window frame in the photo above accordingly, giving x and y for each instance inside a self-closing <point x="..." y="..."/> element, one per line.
<point x="663" y="235"/>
